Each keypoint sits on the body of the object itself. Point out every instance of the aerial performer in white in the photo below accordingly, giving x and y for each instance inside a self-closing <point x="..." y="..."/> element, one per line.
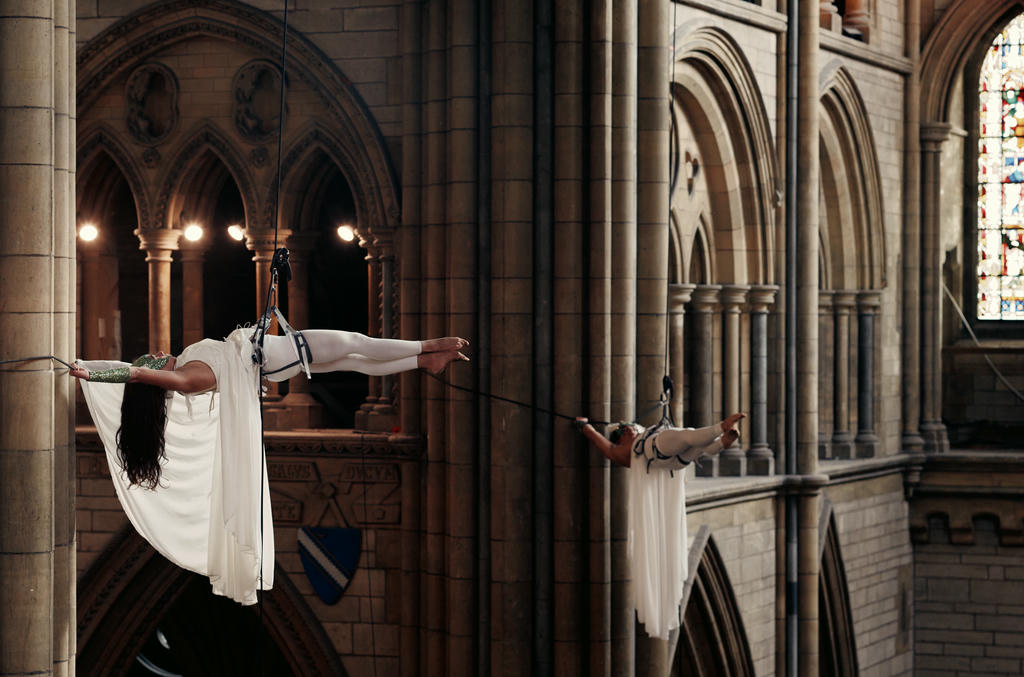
<point x="193" y="482"/>
<point x="657" y="542"/>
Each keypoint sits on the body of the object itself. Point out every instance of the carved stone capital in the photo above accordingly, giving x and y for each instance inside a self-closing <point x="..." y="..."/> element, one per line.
<point x="734" y="296"/>
<point x="869" y="301"/>
<point x="260" y="241"/>
<point x="844" y="301"/>
<point x="762" y="297"/>
<point x="825" y="301"/>
<point x="933" y="135"/>
<point x="679" y="295"/>
<point x="158" y="243"/>
<point x="705" y="298"/>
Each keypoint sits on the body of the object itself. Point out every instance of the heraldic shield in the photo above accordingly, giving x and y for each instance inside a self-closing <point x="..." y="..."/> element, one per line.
<point x="329" y="556"/>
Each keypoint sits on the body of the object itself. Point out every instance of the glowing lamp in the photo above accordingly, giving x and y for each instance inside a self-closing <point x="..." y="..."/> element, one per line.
<point x="193" y="232"/>
<point x="88" y="232"/>
<point x="236" y="232"/>
<point x="346" y="233"/>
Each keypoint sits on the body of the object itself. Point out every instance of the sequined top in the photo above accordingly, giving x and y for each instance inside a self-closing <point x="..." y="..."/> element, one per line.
<point x="123" y="374"/>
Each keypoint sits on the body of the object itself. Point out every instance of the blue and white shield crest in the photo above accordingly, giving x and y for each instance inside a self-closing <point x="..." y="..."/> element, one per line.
<point x="330" y="556"/>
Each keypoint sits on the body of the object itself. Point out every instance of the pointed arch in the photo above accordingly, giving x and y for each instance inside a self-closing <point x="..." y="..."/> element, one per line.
<point x="965" y="27"/>
<point x="137" y="37"/>
<point x="128" y="590"/>
<point x="715" y="89"/>
<point x="190" y="171"/>
<point x="97" y="142"/>
<point x="851" y="176"/>
<point x="837" y="646"/>
<point x="303" y="182"/>
<point x="711" y="639"/>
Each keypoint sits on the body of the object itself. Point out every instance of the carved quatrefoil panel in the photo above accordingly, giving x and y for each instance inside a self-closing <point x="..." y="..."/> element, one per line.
<point x="257" y="91"/>
<point x="151" y="103"/>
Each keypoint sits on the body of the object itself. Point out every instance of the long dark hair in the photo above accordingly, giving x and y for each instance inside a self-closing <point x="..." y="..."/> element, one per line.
<point x="140" y="439"/>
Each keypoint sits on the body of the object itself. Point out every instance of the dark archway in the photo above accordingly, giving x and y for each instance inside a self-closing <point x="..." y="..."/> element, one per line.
<point x="712" y="641"/>
<point x="837" y="649"/>
<point x="130" y="592"/>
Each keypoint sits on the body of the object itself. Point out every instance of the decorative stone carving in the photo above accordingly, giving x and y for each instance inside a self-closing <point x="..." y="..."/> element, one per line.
<point x="257" y="91"/>
<point x="151" y="103"/>
<point x="258" y="157"/>
<point x="151" y="158"/>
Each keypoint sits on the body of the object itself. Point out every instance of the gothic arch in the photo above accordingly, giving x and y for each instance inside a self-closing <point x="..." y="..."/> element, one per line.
<point x="301" y="181"/>
<point x="138" y="37"/>
<point x="952" y="42"/>
<point x="711" y="640"/>
<point x="837" y="646"/>
<point x="185" y="178"/>
<point x="97" y="142"/>
<point x="851" y="179"/>
<point x="715" y="90"/>
<point x="129" y="588"/>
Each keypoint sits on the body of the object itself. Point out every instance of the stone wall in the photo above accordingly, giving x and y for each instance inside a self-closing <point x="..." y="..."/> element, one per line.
<point x="871" y="518"/>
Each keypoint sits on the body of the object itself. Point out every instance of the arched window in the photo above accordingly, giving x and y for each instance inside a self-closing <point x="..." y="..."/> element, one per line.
<point x="1000" y="227"/>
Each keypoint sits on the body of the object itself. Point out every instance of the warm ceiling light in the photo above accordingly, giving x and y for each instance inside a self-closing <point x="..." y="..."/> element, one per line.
<point x="346" y="233"/>
<point x="236" y="232"/>
<point x="88" y="232"/>
<point x="193" y="232"/>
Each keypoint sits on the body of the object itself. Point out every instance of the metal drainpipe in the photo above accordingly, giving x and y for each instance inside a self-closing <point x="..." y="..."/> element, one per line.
<point x="792" y="532"/>
<point x="482" y="339"/>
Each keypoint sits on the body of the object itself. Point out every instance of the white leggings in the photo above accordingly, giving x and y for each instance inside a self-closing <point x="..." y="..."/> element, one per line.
<point x="340" y="351"/>
<point x="681" y="445"/>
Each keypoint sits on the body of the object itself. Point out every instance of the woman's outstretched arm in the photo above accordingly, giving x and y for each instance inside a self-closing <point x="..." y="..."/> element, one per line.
<point x="193" y="377"/>
<point x="617" y="453"/>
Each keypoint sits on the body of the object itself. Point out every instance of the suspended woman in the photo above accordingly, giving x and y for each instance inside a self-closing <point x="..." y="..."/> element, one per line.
<point x="188" y="480"/>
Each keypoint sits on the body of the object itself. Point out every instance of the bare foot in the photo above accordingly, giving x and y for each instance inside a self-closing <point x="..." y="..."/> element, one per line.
<point x="731" y="422"/>
<point x="729" y="438"/>
<point x="436" y="362"/>
<point x="440" y="345"/>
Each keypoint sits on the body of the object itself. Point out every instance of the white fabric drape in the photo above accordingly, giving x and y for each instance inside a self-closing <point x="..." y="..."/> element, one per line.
<point x="657" y="545"/>
<point x="205" y="515"/>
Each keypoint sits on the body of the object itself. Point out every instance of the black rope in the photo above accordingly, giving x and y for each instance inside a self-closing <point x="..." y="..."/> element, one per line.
<point x="37" y="357"/>
<point x="480" y="393"/>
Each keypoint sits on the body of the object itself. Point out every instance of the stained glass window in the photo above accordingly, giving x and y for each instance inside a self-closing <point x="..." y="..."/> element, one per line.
<point x="1001" y="177"/>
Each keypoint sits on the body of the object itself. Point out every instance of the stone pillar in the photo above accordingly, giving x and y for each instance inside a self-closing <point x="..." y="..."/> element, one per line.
<point x="301" y="410"/>
<point x="933" y="430"/>
<point x="383" y="416"/>
<point x="808" y="245"/>
<point x="829" y="17"/>
<point x="362" y="418"/>
<point x="857" y="19"/>
<point x="678" y="296"/>
<point x="843" y="303"/>
<point x="192" y="256"/>
<point x="27" y="326"/>
<point x="760" y="458"/>
<point x="159" y="244"/>
<point x="703" y="303"/>
<point x="732" y="461"/>
<point x="910" y="243"/>
<point x="260" y="241"/>
<point x="826" y="364"/>
<point x="866" y="441"/>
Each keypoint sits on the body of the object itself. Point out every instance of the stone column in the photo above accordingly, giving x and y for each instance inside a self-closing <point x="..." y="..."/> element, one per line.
<point x="826" y="364"/>
<point x="260" y="241"/>
<point x="843" y="303"/>
<point x="362" y="418"/>
<point x="678" y="296"/>
<point x="933" y="430"/>
<point x="829" y="17"/>
<point x="910" y="243"/>
<point x="760" y="458"/>
<point x="27" y="325"/>
<point x="703" y="303"/>
<point x="192" y="256"/>
<point x="806" y="264"/>
<point x="866" y="441"/>
<point x="384" y="415"/>
<point x="159" y="244"/>
<point x="857" y="19"/>
<point x="732" y="461"/>
<point x="302" y="411"/>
